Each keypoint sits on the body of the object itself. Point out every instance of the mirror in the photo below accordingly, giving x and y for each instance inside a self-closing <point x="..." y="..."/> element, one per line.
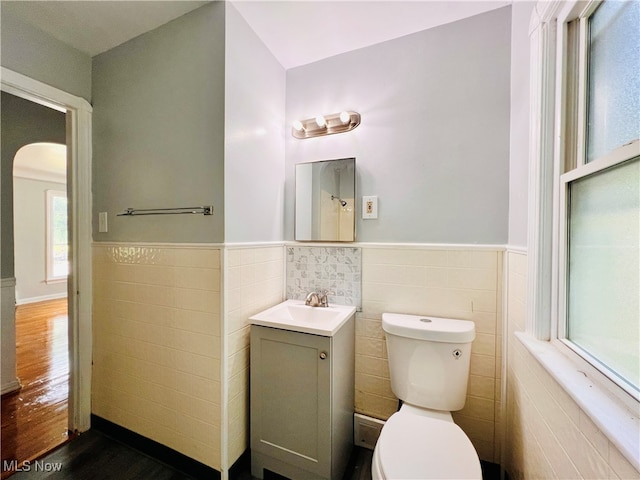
<point x="325" y="201"/>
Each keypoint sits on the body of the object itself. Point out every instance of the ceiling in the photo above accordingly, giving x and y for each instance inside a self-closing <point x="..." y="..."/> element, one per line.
<point x="296" y="32"/>
<point x="301" y="32"/>
<point x="95" y="26"/>
<point x="42" y="161"/>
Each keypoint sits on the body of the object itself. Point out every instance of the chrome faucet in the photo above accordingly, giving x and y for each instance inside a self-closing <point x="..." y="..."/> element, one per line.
<point x="318" y="299"/>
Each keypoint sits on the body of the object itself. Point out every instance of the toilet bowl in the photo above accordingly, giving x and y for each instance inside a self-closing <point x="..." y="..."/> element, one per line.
<point x="429" y="368"/>
<point x="415" y="446"/>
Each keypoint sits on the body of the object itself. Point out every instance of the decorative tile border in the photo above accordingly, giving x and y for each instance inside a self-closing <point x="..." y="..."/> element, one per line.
<point x="337" y="269"/>
<point x="137" y="255"/>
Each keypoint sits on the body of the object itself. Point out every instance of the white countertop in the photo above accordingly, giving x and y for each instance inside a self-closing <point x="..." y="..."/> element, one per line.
<point x="295" y="316"/>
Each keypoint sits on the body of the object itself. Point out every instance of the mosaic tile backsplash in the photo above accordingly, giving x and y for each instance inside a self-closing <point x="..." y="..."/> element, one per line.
<point x="337" y="269"/>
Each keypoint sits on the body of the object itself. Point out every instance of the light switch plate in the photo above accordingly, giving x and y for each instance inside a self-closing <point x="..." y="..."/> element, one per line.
<point x="369" y="207"/>
<point x="102" y="222"/>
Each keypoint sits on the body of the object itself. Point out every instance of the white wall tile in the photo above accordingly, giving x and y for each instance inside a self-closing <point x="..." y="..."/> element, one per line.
<point x="157" y="344"/>
<point x="547" y="435"/>
<point x="472" y="259"/>
<point x="254" y="281"/>
<point x="454" y="283"/>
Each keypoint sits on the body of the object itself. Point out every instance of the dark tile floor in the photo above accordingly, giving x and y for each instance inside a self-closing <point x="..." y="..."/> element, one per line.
<point x="94" y="455"/>
<point x="360" y="467"/>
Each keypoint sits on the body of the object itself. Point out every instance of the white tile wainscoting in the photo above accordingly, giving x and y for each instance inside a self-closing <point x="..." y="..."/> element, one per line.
<point x="549" y="435"/>
<point x="171" y="341"/>
<point x="171" y="348"/>
<point x="254" y="281"/>
<point x="148" y="297"/>
<point x="445" y="281"/>
<point x="157" y="344"/>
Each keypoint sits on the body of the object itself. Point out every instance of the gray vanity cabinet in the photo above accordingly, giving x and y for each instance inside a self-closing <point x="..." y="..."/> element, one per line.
<point x="302" y="389"/>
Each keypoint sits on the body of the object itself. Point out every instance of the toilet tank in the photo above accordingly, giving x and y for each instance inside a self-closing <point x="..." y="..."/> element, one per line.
<point x="429" y="359"/>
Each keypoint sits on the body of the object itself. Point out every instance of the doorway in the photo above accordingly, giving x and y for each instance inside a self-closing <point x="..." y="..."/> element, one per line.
<point x="78" y="141"/>
<point x="35" y="417"/>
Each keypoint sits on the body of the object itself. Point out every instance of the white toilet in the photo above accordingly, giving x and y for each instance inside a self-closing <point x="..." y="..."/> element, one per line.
<point x="429" y="368"/>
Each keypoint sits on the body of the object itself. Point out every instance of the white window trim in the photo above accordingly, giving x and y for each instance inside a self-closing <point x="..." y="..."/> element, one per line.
<point x="614" y="411"/>
<point x="49" y="275"/>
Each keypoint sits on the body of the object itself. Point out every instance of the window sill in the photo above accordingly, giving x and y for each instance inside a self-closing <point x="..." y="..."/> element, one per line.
<point x="619" y="424"/>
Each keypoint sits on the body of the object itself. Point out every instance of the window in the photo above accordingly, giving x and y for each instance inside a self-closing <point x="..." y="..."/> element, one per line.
<point x="584" y="246"/>
<point x="613" y="86"/>
<point x="599" y="207"/>
<point x="584" y="209"/>
<point x="602" y="264"/>
<point x="57" y="267"/>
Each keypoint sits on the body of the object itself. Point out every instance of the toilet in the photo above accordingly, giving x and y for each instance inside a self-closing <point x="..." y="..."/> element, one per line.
<point x="429" y="368"/>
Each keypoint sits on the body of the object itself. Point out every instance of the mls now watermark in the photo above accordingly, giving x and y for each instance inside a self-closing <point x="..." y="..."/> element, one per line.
<point x="29" y="466"/>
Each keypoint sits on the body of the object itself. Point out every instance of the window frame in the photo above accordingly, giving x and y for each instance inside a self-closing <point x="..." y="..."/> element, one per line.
<point x="558" y="134"/>
<point x="50" y="277"/>
<point x="560" y="313"/>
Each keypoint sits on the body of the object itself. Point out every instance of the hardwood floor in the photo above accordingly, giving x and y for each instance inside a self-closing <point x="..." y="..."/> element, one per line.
<point x="34" y="419"/>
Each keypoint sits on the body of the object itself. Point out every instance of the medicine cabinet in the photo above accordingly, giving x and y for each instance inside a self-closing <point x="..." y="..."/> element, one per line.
<point x="325" y="200"/>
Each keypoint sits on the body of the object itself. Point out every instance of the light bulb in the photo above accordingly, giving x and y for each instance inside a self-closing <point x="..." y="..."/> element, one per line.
<point x="320" y="121"/>
<point x="298" y="125"/>
<point x="345" y="117"/>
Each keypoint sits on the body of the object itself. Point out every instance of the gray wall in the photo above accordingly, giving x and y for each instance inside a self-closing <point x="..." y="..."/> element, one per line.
<point x="31" y="52"/>
<point x="519" y="148"/>
<point x="254" y="136"/>
<point x="434" y="138"/>
<point x="158" y="130"/>
<point x="22" y="122"/>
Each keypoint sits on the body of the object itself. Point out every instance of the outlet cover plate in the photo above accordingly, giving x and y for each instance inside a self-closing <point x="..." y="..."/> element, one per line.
<point x="369" y="207"/>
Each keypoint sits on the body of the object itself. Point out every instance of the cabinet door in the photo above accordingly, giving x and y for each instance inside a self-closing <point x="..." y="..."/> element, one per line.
<point x="290" y="393"/>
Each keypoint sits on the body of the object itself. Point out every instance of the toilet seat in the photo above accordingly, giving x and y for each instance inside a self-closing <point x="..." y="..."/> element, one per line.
<point x="418" y="447"/>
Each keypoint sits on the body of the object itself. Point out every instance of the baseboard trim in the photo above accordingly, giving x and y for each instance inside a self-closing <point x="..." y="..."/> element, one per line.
<point x="154" y="449"/>
<point x="11" y="387"/>
<point x="41" y="298"/>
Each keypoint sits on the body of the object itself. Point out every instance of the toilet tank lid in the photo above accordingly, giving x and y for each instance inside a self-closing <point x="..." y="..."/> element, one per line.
<point x="435" y="329"/>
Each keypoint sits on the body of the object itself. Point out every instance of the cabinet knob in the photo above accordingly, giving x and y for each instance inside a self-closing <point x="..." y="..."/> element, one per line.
<point x="323" y="355"/>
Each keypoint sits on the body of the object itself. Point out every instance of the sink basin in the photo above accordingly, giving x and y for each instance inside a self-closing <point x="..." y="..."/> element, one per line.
<point x="294" y="315"/>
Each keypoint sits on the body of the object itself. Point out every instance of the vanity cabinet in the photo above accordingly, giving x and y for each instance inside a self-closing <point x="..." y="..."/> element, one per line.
<point x="302" y="398"/>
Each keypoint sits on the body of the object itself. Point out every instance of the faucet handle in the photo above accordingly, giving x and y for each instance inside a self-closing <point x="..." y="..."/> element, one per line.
<point x="324" y="299"/>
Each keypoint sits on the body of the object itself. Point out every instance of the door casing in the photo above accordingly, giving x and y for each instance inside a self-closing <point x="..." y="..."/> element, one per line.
<point x="78" y="116"/>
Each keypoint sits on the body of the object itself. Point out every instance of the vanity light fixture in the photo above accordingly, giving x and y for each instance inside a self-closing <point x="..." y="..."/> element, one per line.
<point x="325" y="124"/>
